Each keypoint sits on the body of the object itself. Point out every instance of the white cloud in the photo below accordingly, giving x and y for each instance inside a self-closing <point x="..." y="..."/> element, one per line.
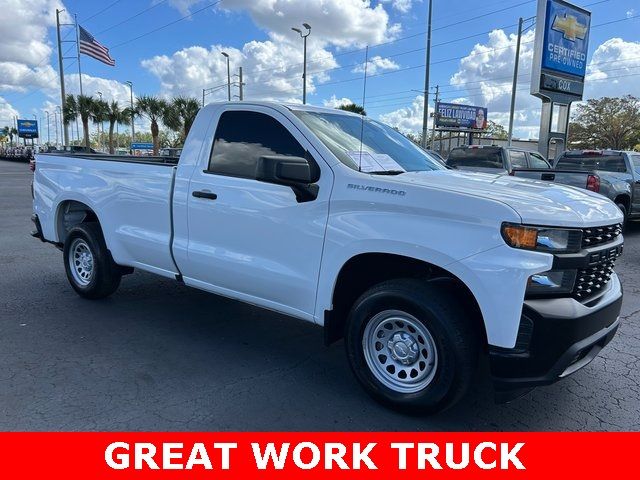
<point x="406" y="119"/>
<point x="377" y="64"/>
<point x="402" y="6"/>
<point x="25" y="48"/>
<point x="631" y="13"/>
<point x="614" y="70"/>
<point x="7" y="113"/>
<point x="339" y="22"/>
<point x="335" y="102"/>
<point x="272" y="69"/>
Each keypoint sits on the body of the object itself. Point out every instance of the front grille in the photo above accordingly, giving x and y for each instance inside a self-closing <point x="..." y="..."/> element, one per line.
<point x="590" y="281"/>
<point x="599" y="235"/>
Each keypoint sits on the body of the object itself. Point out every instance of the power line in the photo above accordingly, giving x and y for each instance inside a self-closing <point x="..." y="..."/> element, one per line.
<point x="132" y="17"/>
<point x="166" y="25"/>
<point x="101" y="11"/>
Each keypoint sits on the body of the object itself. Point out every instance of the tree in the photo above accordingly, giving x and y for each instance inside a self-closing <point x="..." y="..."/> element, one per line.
<point x="82" y="106"/>
<point x="115" y="115"/>
<point x="352" y="107"/>
<point x="155" y="109"/>
<point x="180" y="114"/>
<point x="495" y="130"/>
<point x="608" y="122"/>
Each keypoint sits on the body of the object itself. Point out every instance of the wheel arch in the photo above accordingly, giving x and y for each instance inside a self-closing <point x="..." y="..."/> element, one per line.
<point x="364" y="270"/>
<point x="70" y="213"/>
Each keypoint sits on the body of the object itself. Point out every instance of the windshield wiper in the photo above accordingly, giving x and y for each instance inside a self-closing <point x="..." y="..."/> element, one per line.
<point x="386" y="172"/>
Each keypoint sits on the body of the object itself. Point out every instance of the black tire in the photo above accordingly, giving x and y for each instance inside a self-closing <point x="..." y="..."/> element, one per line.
<point x="105" y="274"/>
<point x="625" y="213"/>
<point x="457" y="343"/>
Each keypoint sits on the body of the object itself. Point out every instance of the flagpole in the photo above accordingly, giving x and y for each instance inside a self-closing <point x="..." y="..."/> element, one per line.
<point x="78" y="50"/>
<point x="61" y="68"/>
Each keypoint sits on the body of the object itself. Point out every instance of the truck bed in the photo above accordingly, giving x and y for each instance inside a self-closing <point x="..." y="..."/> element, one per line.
<point x="134" y="194"/>
<point x="573" y="178"/>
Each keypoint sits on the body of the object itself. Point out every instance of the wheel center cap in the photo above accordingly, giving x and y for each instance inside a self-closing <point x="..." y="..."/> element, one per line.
<point x="403" y="348"/>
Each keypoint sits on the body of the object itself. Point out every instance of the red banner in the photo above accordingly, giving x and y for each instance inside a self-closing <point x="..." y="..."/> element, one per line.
<point x="318" y="455"/>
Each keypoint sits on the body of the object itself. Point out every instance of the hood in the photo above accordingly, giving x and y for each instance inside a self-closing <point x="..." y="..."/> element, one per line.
<point x="537" y="202"/>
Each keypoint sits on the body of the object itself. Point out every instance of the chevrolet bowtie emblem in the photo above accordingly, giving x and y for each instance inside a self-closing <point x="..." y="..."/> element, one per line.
<point x="570" y="27"/>
<point x="27" y="124"/>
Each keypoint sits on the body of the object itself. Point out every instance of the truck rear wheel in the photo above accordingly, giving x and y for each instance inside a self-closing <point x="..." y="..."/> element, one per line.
<point x="411" y="345"/>
<point x="90" y="269"/>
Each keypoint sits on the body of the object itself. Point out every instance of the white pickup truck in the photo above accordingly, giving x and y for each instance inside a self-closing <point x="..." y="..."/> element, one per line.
<point x="339" y="220"/>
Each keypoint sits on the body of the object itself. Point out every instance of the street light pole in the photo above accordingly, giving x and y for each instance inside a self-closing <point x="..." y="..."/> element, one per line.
<point x="225" y="54"/>
<point x="304" y="58"/>
<point x="48" y="131"/>
<point x="133" y="128"/>
<point x="515" y="81"/>
<point x="425" y="112"/>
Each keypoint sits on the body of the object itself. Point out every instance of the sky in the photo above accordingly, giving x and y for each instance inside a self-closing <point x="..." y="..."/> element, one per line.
<point x="172" y="47"/>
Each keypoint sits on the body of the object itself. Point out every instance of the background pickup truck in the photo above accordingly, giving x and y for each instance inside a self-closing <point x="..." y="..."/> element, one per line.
<point x="495" y="159"/>
<point x="337" y="219"/>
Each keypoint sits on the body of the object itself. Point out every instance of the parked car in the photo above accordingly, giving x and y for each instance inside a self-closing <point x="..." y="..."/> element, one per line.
<point x="495" y="159"/>
<point x="171" y="152"/>
<point x="616" y="175"/>
<point x="339" y="220"/>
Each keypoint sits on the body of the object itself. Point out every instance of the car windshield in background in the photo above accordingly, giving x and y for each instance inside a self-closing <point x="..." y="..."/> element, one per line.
<point x="381" y="150"/>
<point x="606" y="163"/>
<point x="486" y="157"/>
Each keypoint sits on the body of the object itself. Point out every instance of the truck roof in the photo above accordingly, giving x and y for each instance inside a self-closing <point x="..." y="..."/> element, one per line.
<point x="288" y="105"/>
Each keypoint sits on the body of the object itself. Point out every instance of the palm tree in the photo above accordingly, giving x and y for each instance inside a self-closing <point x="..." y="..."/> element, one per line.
<point x="185" y="109"/>
<point x="99" y="114"/>
<point x="352" y="107"/>
<point x="155" y="109"/>
<point x="114" y="116"/>
<point x="12" y="132"/>
<point x="83" y="106"/>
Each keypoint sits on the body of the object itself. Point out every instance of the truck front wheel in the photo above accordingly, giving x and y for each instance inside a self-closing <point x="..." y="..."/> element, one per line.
<point x="90" y="269"/>
<point x="411" y="345"/>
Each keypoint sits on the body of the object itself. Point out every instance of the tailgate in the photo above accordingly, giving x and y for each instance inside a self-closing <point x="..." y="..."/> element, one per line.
<point x="574" y="178"/>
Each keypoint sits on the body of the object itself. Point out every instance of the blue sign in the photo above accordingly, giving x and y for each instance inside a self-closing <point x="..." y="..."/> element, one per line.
<point x="27" y="129"/>
<point x="566" y="38"/>
<point x="142" y="146"/>
<point x="460" y="116"/>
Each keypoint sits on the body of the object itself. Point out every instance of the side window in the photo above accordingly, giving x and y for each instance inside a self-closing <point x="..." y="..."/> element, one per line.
<point x="243" y="137"/>
<point x="518" y="159"/>
<point x="537" y="161"/>
<point x="635" y="159"/>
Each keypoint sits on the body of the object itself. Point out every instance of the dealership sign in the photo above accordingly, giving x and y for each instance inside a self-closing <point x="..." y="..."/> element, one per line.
<point x="560" y="55"/>
<point x="453" y="115"/>
<point x="27" y="129"/>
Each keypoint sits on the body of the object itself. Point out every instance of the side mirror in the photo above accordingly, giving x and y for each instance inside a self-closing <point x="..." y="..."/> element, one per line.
<point x="296" y="172"/>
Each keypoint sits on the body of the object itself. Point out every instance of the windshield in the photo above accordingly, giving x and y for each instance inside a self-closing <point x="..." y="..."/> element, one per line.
<point x="383" y="148"/>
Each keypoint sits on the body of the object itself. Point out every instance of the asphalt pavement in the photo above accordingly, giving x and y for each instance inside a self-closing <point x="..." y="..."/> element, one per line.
<point x="161" y="356"/>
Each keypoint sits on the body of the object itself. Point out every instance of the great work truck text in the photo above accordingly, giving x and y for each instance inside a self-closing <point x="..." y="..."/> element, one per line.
<point x="314" y="456"/>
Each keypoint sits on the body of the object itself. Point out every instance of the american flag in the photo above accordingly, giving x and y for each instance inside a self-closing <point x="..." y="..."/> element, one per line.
<point x="90" y="46"/>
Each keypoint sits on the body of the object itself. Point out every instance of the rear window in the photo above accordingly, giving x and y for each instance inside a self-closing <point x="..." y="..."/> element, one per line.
<point x="606" y="163"/>
<point x="475" y="157"/>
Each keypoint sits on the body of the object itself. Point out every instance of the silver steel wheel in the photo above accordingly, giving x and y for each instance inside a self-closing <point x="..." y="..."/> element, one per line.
<point x="400" y="351"/>
<point x="81" y="262"/>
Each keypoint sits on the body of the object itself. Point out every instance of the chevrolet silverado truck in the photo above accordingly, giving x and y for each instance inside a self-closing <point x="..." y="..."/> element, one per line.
<point x="339" y="220"/>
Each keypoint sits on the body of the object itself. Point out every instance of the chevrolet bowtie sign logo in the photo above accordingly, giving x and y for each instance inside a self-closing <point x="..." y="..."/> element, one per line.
<point x="27" y="124"/>
<point x="570" y="27"/>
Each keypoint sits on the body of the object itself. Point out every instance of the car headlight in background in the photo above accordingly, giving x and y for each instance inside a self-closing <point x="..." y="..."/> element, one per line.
<point x="551" y="282"/>
<point x="544" y="239"/>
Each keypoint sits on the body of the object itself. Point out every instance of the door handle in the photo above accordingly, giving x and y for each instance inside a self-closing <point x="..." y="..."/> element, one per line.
<point x="205" y="195"/>
<point x="548" y="176"/>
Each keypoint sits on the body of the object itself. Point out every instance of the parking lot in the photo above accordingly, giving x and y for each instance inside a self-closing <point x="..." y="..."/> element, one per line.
<point x="160" y="356"/>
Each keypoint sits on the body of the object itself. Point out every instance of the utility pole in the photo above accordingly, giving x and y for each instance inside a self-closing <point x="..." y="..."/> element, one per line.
<point x="61" y="68"/>
<point x="240" y="83"/>
<point x="425" y="113"/>
<point x="514" y="87"/>
<point x="225" y="54"/>
<point x="75" y="16"/>
<point x="435" y="113"/>
<point x="48" y="131"/>
<point x="133" y="127"/>
<point x="304" y="58"/>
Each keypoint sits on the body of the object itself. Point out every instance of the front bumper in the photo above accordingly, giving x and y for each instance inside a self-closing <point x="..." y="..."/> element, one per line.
<point x="556" y="338"/>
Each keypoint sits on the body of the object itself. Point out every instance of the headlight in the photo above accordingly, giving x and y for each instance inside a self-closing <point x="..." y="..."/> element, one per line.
<point x="553" y="281"/>
<point x="555" y="240"/>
